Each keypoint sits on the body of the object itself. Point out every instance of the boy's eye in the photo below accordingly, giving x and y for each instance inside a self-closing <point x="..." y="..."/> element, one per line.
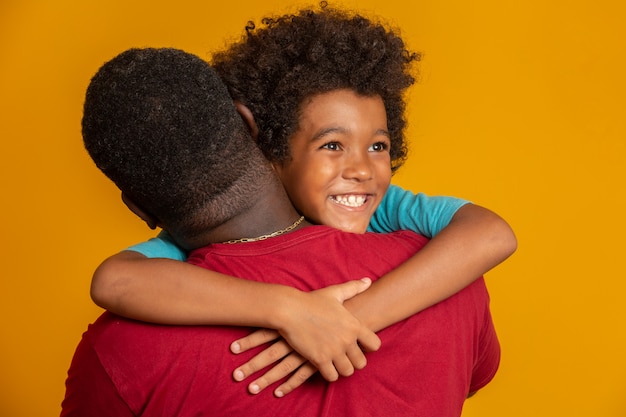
<point x="379" y="147"/>
<point x="332" y="146"/>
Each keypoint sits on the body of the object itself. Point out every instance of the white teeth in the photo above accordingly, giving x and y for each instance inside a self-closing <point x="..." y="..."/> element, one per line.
<point x="349" y="200"/>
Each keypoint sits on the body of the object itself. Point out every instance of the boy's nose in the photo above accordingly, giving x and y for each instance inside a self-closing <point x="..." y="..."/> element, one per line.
<point x="358" y="167"/>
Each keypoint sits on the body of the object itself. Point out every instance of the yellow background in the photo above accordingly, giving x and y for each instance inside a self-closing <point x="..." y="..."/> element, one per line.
<point x="521" y="108"/>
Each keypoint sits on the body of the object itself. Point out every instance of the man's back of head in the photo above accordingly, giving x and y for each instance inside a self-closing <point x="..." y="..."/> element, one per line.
<point x="161" y="125"/>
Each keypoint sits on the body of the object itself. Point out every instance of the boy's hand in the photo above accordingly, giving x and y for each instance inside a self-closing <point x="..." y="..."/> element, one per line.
<point x="291" y="363"/>
<point x="321" y="330"/>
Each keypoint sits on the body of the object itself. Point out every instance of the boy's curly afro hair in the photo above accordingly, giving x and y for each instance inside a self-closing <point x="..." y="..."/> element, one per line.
<point x="274" y="68"/>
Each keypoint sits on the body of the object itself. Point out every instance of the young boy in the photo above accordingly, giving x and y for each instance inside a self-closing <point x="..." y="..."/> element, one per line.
<point x="276" y="73"/>
<point x="165" y="110"/>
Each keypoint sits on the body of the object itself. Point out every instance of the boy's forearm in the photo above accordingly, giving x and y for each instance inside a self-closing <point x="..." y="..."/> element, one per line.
<point x="315" y="324"/>
<point x="475" y="241"/>
<point x="172" y="292"/>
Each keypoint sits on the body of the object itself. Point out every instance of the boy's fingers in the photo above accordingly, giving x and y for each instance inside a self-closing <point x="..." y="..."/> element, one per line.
<point x="369" y="341"/>
<point x="349" y="289"/>
<point x="253" y="340"/>
<point x="343" y="366"/>
<point x="357" y="357"/>
<point x="265" y="358"/>
<point x="298" y="378"/>
<point x="287" y="366"/>
<point x="329" y="372"/>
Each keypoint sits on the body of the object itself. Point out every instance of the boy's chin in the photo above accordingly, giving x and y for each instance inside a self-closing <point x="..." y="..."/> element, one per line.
<point x="350" y="226"/>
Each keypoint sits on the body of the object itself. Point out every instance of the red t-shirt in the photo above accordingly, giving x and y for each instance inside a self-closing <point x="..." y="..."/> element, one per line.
<point x="426" y="366"/>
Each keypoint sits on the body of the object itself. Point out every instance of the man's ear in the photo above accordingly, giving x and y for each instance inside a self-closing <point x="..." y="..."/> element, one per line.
<point x="247" y="117"/>
<point x="150" y="220"/>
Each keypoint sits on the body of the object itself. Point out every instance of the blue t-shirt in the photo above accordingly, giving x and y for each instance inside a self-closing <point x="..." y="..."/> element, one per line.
<point x="399" y="210"/>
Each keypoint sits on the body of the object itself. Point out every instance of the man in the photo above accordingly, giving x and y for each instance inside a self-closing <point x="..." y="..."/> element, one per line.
<point x="161" y="125"/>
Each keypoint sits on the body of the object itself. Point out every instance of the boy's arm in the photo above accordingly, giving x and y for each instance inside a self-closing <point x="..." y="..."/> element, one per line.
<point x="172" y="292"/>
<point x="473" y="242"/>
<point x="466" y="241"/>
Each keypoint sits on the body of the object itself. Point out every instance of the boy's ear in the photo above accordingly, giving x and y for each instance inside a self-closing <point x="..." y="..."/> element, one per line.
<point x="150" y="220"/>
<point x="247" y="117"/>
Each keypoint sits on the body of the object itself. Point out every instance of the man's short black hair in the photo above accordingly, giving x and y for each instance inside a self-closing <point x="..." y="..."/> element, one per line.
<point x="161" y="124"/>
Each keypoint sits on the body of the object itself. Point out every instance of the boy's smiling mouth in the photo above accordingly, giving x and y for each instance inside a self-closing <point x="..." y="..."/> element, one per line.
<point x="349" y="200"/>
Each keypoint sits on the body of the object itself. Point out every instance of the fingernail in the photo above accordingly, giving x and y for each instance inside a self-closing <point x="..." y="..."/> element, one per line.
<point x="254" y="388"/>
<point x="279" y="393"/>
<point x="234" y="347"/>
<point x="238" y="375"/>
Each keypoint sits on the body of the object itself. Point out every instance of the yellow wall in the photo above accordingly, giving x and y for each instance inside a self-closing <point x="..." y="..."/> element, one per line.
<point x="521" y="108"/>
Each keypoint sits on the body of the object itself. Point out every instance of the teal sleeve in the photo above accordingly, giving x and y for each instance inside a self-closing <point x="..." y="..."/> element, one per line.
<point x="404" y="210"/>
<point x="161" y="246"/>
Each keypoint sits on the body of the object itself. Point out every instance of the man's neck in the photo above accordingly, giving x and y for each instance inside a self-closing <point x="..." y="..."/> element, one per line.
<point x="270" y="213"/>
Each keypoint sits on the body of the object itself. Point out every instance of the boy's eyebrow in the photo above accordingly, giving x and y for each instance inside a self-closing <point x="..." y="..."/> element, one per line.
<point x="383" y="132"/>
<point x="329" y="130"/>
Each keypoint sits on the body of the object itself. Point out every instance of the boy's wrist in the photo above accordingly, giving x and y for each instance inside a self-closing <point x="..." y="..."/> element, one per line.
<point x="281" y="307"/>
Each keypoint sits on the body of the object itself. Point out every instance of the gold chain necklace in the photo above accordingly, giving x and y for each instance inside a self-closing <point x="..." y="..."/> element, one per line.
<point x="273" y="234"/>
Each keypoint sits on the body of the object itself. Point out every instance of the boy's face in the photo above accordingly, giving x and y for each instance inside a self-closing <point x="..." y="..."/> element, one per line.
<point x="340" y="167"/>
